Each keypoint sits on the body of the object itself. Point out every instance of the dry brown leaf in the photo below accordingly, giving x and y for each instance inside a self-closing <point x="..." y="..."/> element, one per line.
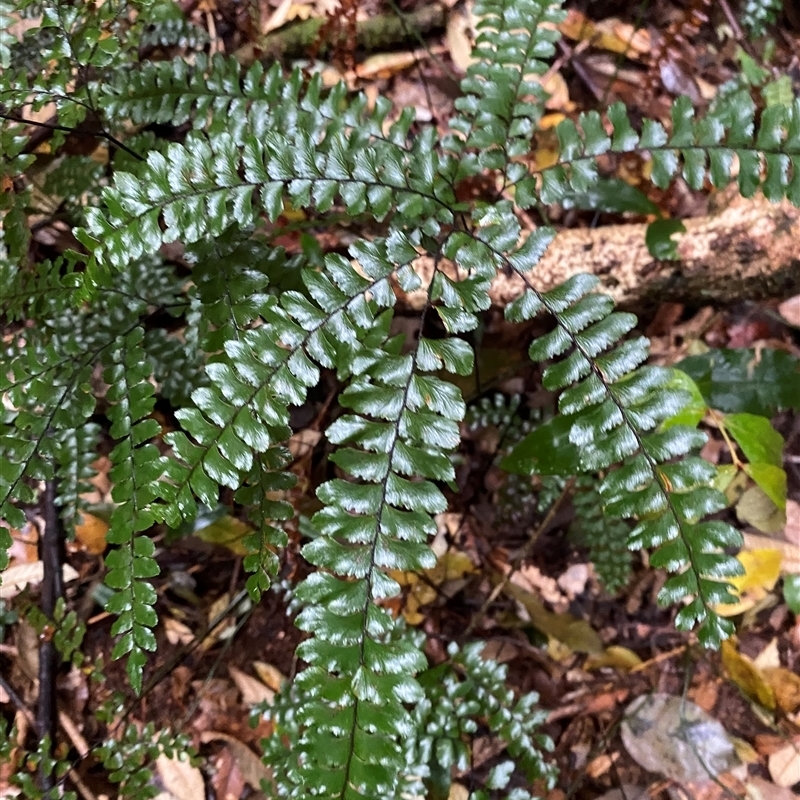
<point x="14" y="579"/>
<point x="270" y="676"/>
<point x="761" y="789"/>
<point x="303" y="442"/>
<point x="180" y="778"/>
<point x="784" y="765"/>
<point x="790" y="310"/>
<point x="769" y="656"/>
<point x="459" y="37"/>
<point x="609" y="34"/>
<point x="253" y="690"/>
<point x="792" y="529"/>
<point x="252" y="768"/>
<point x="177" y="632"/>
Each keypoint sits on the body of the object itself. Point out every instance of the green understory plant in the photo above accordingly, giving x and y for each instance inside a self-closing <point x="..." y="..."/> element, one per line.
<point x="252" y="329"/>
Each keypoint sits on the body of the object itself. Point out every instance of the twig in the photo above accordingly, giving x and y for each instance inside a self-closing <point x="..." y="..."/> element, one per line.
<point x="52" y="588"/>
<point x="523" y="553"/>
<point x="52" y="126"/>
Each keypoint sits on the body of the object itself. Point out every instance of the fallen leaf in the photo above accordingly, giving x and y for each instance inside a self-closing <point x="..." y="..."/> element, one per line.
<point x="627" y="792"/>
<point x="577" y="634"/>
<point x="786" y="687"/>
<point x="676" y="738"/>
<point x="177" y="631"/>
<point x="784" y="765"/>
<point x="14" y="579"/>
<point x="790" y="564"/>
<point x="790" y="310"/>
<point x="91" y="533"/>
<point x="180" y="778"/>
<point x="459" y="37"/>
<point x="747" y="676"/>
<point x="761" y="789"/>
<point x="792" y="529"/>
<point x="458" y="792"/>
<point x="615" y="657"/>
<point x="253" y="690"/>
<point x="252" y="767"/>
<point x="762" y="568"/>
<point x="610" y="34"/>
<point x="270" y="676"/>
<point x="769" y="656"/>
<point x="757" y="509"/>
<point x="227" y="531"/>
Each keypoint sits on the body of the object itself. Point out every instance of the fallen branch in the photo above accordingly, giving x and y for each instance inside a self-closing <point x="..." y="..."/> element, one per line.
<point x="748" y="250"/>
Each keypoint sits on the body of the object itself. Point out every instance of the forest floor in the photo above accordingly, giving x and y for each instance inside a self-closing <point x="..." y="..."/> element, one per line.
<point x="587" y="652"/>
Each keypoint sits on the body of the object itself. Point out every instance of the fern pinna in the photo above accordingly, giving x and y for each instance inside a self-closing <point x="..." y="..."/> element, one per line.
<point x="260" y="326"/>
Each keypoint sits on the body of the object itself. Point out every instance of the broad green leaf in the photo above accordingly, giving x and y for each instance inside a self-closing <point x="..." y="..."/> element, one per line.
<point x="659" y="238"/>
<point x="546" y="450"/>
<point x="744" y="381"/>
<point x="760" y="442"/>
<point x="791" y="592"/>
<point x="771" y="479"/>
<point x="694" y="410"/>
<point x="612" y="196"/>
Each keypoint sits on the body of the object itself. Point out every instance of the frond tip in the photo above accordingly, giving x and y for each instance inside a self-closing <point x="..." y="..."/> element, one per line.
<point x="616" y="409"/>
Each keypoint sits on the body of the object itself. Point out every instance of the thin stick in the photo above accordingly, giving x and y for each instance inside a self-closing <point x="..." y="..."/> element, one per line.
<point x="52" y="589"/>
<point x="523" y="553"/>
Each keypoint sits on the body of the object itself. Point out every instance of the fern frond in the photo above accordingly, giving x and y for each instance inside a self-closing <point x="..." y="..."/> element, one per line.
<point x="503" y="102"/>
<point x="74" y="453"/>
<point x="756" y="15"/>
<point x="605" y="538"/>
<point x="136" y="468"/>
<point x="393" y="445"/>
<point x="45" y="393"/>
<point x="202" y="187"/>
<point x="14" y="228"/>
<point x="616" y="407"/>
<point x="268" y="478"/>
<point x="767" y="150"/>
<point x="7" y="39"/>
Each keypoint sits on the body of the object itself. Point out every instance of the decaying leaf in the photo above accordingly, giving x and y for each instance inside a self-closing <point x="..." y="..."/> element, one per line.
<point x="253" y="690"/>
<point x="182" y="780"/>
<point x="252" y="768"/>
<point x="676" y="738"/>
<point x="784" y="765"/>
<point x="747" y="676"/>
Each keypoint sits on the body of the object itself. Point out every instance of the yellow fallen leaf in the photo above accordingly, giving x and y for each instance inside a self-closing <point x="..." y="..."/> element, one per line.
<point x="227" y="531"/>
<point x="786" y="687"/>
<point x="616" y="657"/>
<point x="762" y="568"/>
<point x="577" y="634"/>
<point x="91" y="533"/>
<point x="546" y="158"/>
<point x="747" y="676"/>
